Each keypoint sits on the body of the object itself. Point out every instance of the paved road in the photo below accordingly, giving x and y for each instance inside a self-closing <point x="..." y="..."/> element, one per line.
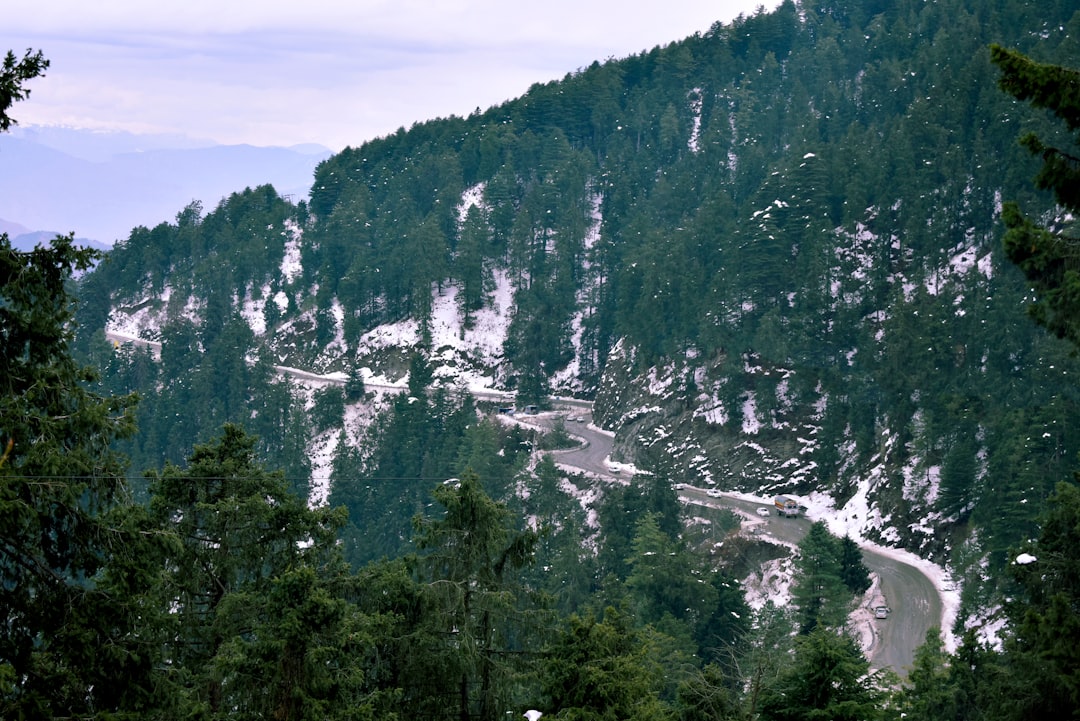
<point x="303" y="375"/>
<point x="592" y="456"/>
<point x="915" y="603"/>
<point x="916" y="607"/>
<point x="914" y="600"/>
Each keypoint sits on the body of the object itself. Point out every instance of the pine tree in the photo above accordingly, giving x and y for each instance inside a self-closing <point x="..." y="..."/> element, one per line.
<point x="928" y="692"/>
<point x="1049" y="255"/>
<point x="1043" y="651"/>
<point x="13" y="78"/>
<point x="470" y="558"/>
<point x="59" y="477"/>
<point x="819" y="591"/>
<point x="304" y="652"/>
<point x="853" y="572"/>
<point x="598" y="669"/>
<point x="829" y="679"/>
<point x="239" y="530"/>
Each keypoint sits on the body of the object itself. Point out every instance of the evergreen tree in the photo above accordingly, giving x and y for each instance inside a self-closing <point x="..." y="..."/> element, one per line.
<point x="469" y="560"/>
<point x="819" y="591"/>
<point x="928" y="693"/>
<point x="981" y="681"/>
<point x="661" y="582"/>
<point x="853" y="572"/>
<point x="238" y="529"/>
<point x="829" y="679"/>
<point x="471" y="266"/>
<point x="14" y="75"/>
<point x="304" y="650"/>
<point x="620" y="510"/>
<point x="59" y="476"/>
<point x="1043" y="654"/>
<point x="565" y="566"/>
<point x="1047" y="253"/>
<point x="598" y="669"/>
<point x="706" y="696"/>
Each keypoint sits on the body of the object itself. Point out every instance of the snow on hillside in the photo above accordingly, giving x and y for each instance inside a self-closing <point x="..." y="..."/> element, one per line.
<point x="772" y="581"/>
<point x="849" y="520"/>
<point x="459" y="356"/>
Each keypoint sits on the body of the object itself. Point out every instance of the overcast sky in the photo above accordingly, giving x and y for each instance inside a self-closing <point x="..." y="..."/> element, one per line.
<point x="334" y="72"/>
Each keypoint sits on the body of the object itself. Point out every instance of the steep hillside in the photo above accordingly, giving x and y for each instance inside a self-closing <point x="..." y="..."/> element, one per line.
<point x="770" y="253"/>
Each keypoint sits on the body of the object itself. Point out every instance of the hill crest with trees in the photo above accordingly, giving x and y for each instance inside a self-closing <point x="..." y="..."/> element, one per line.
<point x="770" y="253"/>
<point x="225" y="595"/>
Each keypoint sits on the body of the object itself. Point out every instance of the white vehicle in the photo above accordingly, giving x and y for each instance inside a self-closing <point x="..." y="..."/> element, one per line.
<point x="881" y="611"/>
<point x="713" y="493"/>
<point x="764" y="512"/>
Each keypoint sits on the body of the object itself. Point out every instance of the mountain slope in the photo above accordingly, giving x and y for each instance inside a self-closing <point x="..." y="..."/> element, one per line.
<point x="770" y="253"/>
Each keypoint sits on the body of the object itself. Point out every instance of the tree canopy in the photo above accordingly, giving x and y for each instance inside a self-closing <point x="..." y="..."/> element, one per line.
<point x="14" y="74"/>
<point x="1048" y="251"/>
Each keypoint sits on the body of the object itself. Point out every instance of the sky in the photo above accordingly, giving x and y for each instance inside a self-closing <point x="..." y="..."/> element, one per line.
<point x="331" y="72"/>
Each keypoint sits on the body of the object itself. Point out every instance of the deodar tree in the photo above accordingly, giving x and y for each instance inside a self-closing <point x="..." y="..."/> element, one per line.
<point x="475" y="606"/>
<point x="1048" y="253"/>
<point x="66" y="647"/>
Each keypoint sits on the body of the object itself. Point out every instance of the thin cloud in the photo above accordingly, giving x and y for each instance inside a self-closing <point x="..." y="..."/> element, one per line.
<point x="336" y="73"/>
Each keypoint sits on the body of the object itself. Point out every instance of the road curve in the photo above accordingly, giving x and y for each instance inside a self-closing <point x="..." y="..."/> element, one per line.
<point x="914" y="600"/>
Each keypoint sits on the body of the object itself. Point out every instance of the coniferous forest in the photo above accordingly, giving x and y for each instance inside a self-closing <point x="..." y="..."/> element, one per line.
<point x="826" y="249"/>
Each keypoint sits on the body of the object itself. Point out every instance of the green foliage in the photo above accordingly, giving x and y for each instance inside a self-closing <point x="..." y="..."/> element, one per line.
<point x="706" y="697"/>
<point x="58" y="477"/>
<point x="303" y="653"/>
<point x="1043" y="656"/>
<point x="819" y="590"/>
<point x="929" y="692"/>
<point x="1047" y="254"/>
<point x="470" y="559"/>
<point x="804" y="187"/>
<point x="417" y="442"/>
<point x="829" y="679"/>
<point x="853" y="572"/>
<point x="14" y="74"/>
<point x="240" y="532"/>
<point x="619" y="511"/>
<point x="836" y="168"/>
<point x="565" y="566"/>
<point x="598" y="670"/>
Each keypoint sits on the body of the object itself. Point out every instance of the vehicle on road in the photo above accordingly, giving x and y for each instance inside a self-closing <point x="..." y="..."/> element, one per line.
<point x="713" y="493"/>
<point x="786" y="506"/>
<point x="763" y="511"/>
<point x="881" y="611"/>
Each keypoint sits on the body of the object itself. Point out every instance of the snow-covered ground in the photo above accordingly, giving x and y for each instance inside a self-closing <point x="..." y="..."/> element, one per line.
<point x="841" y="522"/>
<point x="450" y="342"/>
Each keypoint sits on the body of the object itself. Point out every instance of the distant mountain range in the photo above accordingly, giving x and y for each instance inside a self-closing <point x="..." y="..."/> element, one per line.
<point x="100" y="185"/>
<point x="22" y="238"/>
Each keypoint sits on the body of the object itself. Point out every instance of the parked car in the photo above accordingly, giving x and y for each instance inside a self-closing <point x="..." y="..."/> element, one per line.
<point x="881" y="611"/>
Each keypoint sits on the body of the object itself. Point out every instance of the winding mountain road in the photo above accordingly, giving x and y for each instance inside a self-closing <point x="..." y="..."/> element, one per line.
<point x="915" y="603"/>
